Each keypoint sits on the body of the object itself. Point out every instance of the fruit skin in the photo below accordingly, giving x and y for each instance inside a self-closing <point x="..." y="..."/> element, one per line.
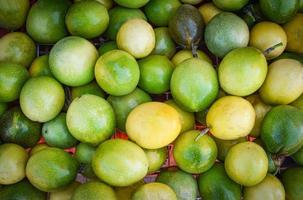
<point x="40" y="67"/>
<point x="117" y="72"/>
<point x="223" y="41"/>
<point x="208" y="11"/>
<point x="45" y="21"/>
<point x="215" y="184"/>
<point x="232" y="5"/>
<point x="230" y="118"/>
<point x="18" y="48"/>
<point x="194" y="84"/>
<point x="279" y="11"/>
<point x="51" y="169"/>
<point x="183" y="55"/>
<point x="164" y="43"/>
<point x="132" y="4"/>
<point x="38" y="148"/>
<point x="90" y="88"/>
<point x="84" y="153"/>
<point x="242" y="71"/>
<point x="291" y="55"/>
<point x="15" y="127"/>
<point x="195" y="153"/>
<point x="65" y="193"/>
<point x="125" y="193"/>
<point x="225" y="145"/>
<point x="156" y="158"/>
<point x="72" y="61"/>
<point x="106" y="47"/>
<point x="87" y="24"/>
<point x="41" y="98"/>
<point x="153" y="125"/>
<point x="283" y="83"/>
<point x="90" y="119"/>
<point x="13" y="160"/>
<point x="121" y="156"/>
<point x="107" y="3"/>
<point x="154" y="191"/>
<point x="123" y="105"/>
<point x="270" y="188"/>
<point x="298" y="156"/>
<point x="12" y="78"/>
<point x="246" y="163"/>
<point x="292" y="180"/>
<point x="294" y="31"/>
<point x="184" y="185"/>
<point x="3" y="108"/>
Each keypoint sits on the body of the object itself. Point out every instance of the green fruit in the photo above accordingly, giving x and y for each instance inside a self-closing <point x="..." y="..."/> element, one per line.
<point x="65" y="193"/>
<point x="292" y="180"/>
<point x="18" y="48"/>
<point x="158" y="12"/>
<point x="40" y="67"/>
<point x="107" y="3"/>
<point x="21" y="190"/>
<point x="224" y="146"/>
<point x="51" y="169"/>
<point x="193" y="2"/>
<point x="38" y="148"/>
<point x="90" y="119"/>
<point x="72" y="61"/>
<point x="300" y="5"/>
<point x="56" y="134"/>
<point x="164" y="43"/>
<point x="194" y="85"/>
<point x="279" y="11"/>
<point x="15" y="127"/>
<point x="232" y="5"/>
<point x="132" y="4"/>
<point x="281" y="130"/>
<point x="41" y="98"/>
<point x="121" y="156"/>
<point x="183" y="55"/>
<point x="215" y="184"/>
<point x="195" y="153"/>
<point x="125" y="193"/>
<point x="184" y="185"/>
<point x="90" y="88"/>
<point x="106" y="47"/>
<point x="117" y="72"/>
<point x="12" y="79"/>
<point x="90" y="24"/>
<point x="3" y="108"/>
<point x="122" y="105"/>
<point x="298" y="156"/>
<point x="155" y="74"/>
<point x="242" y="71"/>
<point x="291" y="55"/>
<point x="87" y="171"/>
<point x="45" y="21"/>
<point x="154" y="191"/>
<point x="223" y="41"/>
<point x="84" y="153"/>
<point x="156" y="158"/>
<point x="186" y="34"/>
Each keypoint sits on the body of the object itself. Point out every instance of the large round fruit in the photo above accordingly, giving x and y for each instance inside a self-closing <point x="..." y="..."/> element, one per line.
<point x="154" y="191"/>
<point x="194" y="84"/>
<point x="121" y="156"/>
<point x="292" y="180"/>
<point x="153" y="125"/>
<point x="164" y="43"/>
<point x="156" y="158"/>
<point x="231" y="5"/>
<point x="293" y="29"/>
<point x="41" y="98"/>
<point x="51" y="169"/>
<point x="90" y="119"/>
<point x="65" y="193"/>
<point x="184" y="54"/>
<point x="132" y="4"/>
<point x="17" y="47"/>
<point x="72" y="61"/>
<point x="40" y="67"/>
<point x="117" y="72"/>
<point x="242" y="71"/>
<point x="246" y="163"/>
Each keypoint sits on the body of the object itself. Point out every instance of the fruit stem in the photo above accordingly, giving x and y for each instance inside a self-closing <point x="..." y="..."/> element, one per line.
<point x="270" y="49"/>
<point x="278" y="160"/>
<point x="203" y="132"/>
<point x="194" y="50"/>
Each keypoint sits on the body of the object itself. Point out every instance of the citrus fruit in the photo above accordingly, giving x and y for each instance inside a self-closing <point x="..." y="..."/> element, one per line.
<point x="87" y="24"/>
<point x="298" y="156"/>
<point x="125" y="193"/>
<point x="90" y="119"/>
<point x="122" y="105"/>
<point x="292" y="180"/>
<point x="298" y="103"/>
<point x="41" y="98"/>
<point x="183" y="55"/>
<point x="85" y="152"/>
<point x="106" y="47"/>
<point x="17" y="47"/>
<point x="13" y="160"/>
<point x="283" y="83"/>
<point x="156" y="158"/>
<point x="12" y="79"/>
<point x="137" y="37"/>
<point x="242" y="71"/>
<point x="270" y="188"/>
<point x="121" y="156"/>
<point x="90" y="88"/>
<point x="208" y="11"/>
<point x="64" y="194"/>
<point x="38" y="148"/>
<point x="232" y="5"/>
<point x="154" y="191"/>
<point x="51" y="169"/>
<point x="87" y="170"/>
<point x="294" y="33"/>
<point x="132" y="4"/>
<point x="193" y="2"/>
<point x="56" y="134"/>
<point x="194" y="84"/>
<point x="117" y="72"/>
<point x="72" y="61"/>
<point x="117" y="16"/>
<point x="223" y="146"/>
<point x="158" y="12"/>
<point x="184" y="185"/>
<point x="15" y="127"/>
<point x="230" y="118"/>
<point x="40" y="67"/>
<point x="246" y="163"/>
<point x="215" y="184"/>
<point x="153" y="125"/>
<point x="155" y="74"/>
<point x="164" y="43"/>
<point x="45" y="20"/>
<point x="223" y="41"/>
<point x="107" y="3"/>
<point x="3" y="108"/>
<point x="13" y="13"/>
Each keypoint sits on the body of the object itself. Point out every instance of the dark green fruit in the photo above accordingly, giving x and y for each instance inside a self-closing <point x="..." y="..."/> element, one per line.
<point x="224" y="146"/>
<point x="292" y="180"/>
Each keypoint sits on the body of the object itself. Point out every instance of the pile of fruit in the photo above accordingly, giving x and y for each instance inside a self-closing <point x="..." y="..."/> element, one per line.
<point x="151" y="99"/>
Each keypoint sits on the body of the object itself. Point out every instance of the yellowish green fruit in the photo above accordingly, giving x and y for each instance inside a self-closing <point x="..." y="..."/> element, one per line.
<point x="65" y="193"/>
<point x="154" y="191"/>
<point x="294" y="31"/>
<point x="183" y="55"/>
<point x="156" y="158"/>
<point x="208" y="11"/>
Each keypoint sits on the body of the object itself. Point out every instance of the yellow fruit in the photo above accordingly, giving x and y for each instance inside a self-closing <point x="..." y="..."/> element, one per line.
<point x="208" y="11"/>
<point x="183" y="55"/>
<point x="294" y="31"/>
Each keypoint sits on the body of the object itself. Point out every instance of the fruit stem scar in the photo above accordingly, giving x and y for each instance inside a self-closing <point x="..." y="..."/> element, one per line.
<point x="270" y="49"/>
<point x="203" y="132"/>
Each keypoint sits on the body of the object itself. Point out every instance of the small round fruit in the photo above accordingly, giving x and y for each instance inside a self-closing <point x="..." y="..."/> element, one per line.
<point x="192" y="2"/>
<point x="107" y="3"/>
<point x="137" y="37"/>
<point x="106" y="47"/>
<point x="164" y="43"/>
<point x="156" y="158"/>
<point x="232" y="5"/>
<point x="154" y="191"/>
<point x="40" y="67"/>
<point x="184" y="54"/>
<point x="293" y="30"/>
<point x="246" y="163"/>
<point x="65" y="193"/>
<point x="224" y="146"/>
<point x="125" y="193"/>
<point x="230" y="118"/>
<point x="132" y="4"/>
<point x="84" y="153"/>
<point x="208" y="11"/>
<point x="38" y="148"/>
<point x="90" y="88"/>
